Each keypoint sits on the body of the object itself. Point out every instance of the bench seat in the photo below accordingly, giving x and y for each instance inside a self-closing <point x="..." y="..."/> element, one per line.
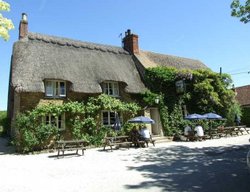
<point x="74" y="145"/>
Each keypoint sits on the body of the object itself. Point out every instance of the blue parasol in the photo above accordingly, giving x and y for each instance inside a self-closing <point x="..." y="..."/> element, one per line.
<point x="212" y="116"/>
<point x="141" y="119"/>
<point x="194" y="116"/>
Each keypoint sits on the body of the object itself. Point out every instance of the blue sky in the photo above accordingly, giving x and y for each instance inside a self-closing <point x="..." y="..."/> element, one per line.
<point x="202" y="30"/>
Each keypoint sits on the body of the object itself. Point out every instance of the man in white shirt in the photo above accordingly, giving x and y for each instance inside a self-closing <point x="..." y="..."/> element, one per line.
<point x="199" y="131"/>
<point x="145" y="135"/>
<point x="144" y="132"/>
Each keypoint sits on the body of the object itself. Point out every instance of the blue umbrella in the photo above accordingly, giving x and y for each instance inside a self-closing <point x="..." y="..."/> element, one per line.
<point x="117" y="124"/>
<point x="212" y="116"/>
<point x="141" y="119"/>
<point x="194" y="116"/>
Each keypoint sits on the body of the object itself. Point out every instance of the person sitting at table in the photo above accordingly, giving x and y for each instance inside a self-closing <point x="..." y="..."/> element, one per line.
<point x="199" y="131"/>
<point x="145" y="134"/>
<point x="135" y="136"/>
<point x="187" y="130"/>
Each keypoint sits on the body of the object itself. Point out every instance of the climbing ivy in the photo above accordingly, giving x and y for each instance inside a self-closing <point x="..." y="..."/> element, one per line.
<point x="82" y="122"/>
<point x="204" y="91"/>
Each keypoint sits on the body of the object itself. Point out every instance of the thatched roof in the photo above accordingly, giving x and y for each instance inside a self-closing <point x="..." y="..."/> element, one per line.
<point x="150" y="59"/>
<point x="38" y="57"/>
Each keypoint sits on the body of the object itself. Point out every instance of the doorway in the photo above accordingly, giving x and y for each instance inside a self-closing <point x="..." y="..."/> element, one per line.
<point x="156" y="128"/>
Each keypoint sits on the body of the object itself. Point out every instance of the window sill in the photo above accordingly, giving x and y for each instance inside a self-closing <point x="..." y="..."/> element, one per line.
<point x="48" y="97"/>
<point x="115" y="96"/>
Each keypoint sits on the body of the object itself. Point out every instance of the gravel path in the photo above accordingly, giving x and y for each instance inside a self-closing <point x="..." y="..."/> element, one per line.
<point x="173" y="166"/>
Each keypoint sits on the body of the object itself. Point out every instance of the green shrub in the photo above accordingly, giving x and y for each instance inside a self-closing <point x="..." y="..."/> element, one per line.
<point x="233" y="110"/>
<point x="83" y="122"/>
<point x="32" y="134"/>
<point x="245" y="119"/>
<point x="3" y="123"/>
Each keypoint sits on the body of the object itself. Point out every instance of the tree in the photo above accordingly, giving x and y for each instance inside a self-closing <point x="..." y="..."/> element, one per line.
<point x="241" y="10"/>
<point x="5" y="24"/>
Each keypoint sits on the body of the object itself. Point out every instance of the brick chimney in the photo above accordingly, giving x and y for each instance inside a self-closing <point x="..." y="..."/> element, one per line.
<point x="23" y="26"/>
<point x="130" y="42"/>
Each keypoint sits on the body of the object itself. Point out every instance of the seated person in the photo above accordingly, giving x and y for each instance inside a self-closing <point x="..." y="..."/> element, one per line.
<point x="135" y="136"/>
<point x="145" y="135"/>
<point x="187" y="130"/>
<point x="199" y="131"/>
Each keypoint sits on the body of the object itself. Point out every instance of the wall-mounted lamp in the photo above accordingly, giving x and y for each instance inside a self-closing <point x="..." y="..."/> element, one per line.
<point x="157" y="100"/>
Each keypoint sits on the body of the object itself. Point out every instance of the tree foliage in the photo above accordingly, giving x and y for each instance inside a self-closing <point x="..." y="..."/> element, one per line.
<point x="204" y="91"/>
<point x="241" y="10"/>
<point x="5" y="24"/>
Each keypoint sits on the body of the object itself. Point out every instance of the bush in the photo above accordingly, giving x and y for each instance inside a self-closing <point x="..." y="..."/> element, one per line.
<point x="3" y="123"/>
<point x="32" y="134"/>
<point x="246" y="117"/>
<point x="83" y="122"/>
<point x="233" y="110"/>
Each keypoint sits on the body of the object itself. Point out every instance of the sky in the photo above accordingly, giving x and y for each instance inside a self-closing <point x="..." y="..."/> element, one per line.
<point x="196" y="29"/>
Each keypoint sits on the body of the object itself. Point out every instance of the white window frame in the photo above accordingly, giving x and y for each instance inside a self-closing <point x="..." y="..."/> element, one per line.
<point x="54" y="89"/>
<point x="111" y="88"/>
<point x="48" y="120"/>
<point x="109" y="119"/>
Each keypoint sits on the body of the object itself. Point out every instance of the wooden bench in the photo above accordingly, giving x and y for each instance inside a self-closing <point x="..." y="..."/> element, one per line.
<point x="232" y="131"/>
<point x="241" y="129"/>
<point x="216" y="132"/>
<point x="150" y="140"/>
<point x="119" y="141"/>
<point x="72" y="145"/>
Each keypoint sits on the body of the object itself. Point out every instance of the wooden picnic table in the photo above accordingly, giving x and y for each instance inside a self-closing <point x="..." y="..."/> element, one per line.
<point x="116" y="141"/>
<point x="70" y="145"/>
<point x="242" y="128"/>
<point x="227" y="131"/>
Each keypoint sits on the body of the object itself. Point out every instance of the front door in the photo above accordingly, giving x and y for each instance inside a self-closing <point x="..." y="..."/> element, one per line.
<point x="156" y="128"/>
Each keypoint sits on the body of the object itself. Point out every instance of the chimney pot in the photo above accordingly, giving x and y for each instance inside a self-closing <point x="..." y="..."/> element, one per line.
<point x="129" y="32"/>
<point x="130" y="42"/>
<point x="23" y="26"/>
<point x="24" y="17"/>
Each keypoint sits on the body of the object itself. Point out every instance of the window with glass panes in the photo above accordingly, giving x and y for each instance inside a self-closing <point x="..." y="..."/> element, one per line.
<point x="55" y="88"/>
<point x="111" y="88"/>
<point x="108" y="118"/>
<point x="58" y="121"/>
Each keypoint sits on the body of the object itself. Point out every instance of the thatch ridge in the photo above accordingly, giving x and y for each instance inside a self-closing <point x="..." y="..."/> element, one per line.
<point x="75" y="43"/>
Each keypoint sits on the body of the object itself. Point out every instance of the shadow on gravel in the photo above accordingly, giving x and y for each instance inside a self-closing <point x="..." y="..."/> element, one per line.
<point x="5" y="147"/>
<point x="180" y="168"/>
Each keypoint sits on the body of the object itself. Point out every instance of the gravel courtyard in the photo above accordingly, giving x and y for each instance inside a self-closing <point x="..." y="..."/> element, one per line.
<point x="212" y="165"/>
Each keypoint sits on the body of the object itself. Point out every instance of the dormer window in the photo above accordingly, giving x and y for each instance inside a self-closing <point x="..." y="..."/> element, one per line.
<point x="111" y="88"/>
<point x="55" y="88"/>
